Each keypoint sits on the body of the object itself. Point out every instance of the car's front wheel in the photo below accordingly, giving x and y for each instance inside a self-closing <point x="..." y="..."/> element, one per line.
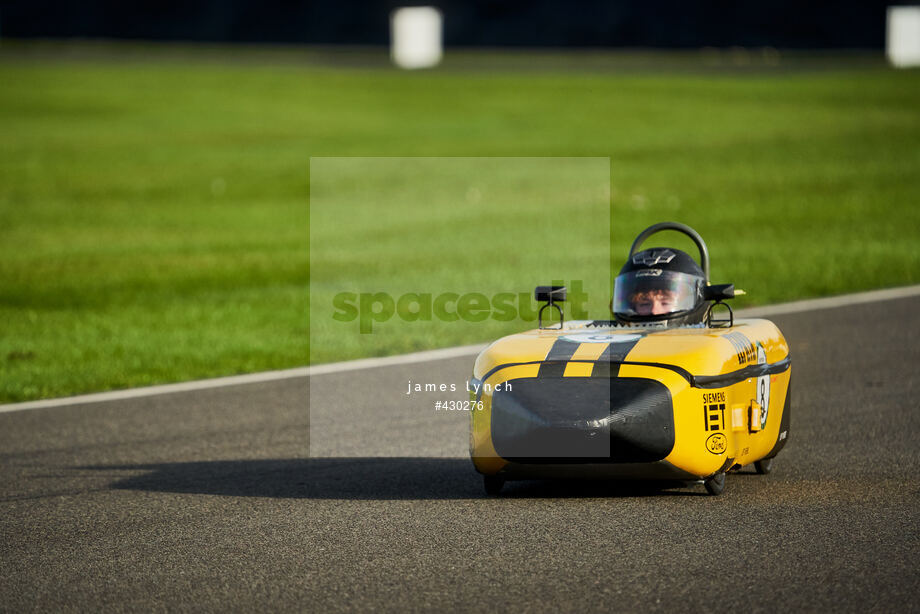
<point x="764" y="466"/>
<point x="493" y="484"/>
<point x="716" y="484"/>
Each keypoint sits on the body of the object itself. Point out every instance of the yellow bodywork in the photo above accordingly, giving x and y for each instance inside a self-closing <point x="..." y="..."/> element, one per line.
<point x="717" y="420"/>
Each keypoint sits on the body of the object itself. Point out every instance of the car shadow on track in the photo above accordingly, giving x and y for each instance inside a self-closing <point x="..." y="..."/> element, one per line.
<point x="361" y="478"/>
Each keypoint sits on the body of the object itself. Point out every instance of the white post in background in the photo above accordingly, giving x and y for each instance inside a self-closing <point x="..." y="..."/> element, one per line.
<point x="904" y="36"/>
<point x="415" y="37"/>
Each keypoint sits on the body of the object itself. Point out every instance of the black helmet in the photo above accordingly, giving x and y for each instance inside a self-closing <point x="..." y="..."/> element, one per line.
<point x="661" y="284"/>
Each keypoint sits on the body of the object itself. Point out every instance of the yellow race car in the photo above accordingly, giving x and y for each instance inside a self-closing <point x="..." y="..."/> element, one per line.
<point x="672" y="388"/>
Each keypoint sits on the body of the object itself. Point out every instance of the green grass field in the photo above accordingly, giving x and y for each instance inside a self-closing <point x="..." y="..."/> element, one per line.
<point x="154" y="220"/>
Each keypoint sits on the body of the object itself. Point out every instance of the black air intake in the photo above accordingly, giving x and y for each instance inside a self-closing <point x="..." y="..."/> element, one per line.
<point x="582" y="420"/>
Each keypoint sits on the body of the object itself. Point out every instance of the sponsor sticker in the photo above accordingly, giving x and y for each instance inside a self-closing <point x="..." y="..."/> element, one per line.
<point x="716" y="443"/>
<point x="714" y="411"/>
<point x="745" y="351"/>
<point x="601" y="338"/>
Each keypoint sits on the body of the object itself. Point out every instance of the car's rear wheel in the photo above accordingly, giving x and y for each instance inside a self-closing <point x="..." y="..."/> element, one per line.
<point x="493" y="484"/>
<point x="716" y="484"/>
<point x="764" y="466"/>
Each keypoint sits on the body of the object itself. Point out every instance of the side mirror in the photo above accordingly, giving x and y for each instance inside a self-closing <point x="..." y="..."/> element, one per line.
<point x="549" y="295"/>
<point x="719" y="292"/>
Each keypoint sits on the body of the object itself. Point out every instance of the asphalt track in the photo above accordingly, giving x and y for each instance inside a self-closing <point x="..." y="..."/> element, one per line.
<point x="209" y="500"/>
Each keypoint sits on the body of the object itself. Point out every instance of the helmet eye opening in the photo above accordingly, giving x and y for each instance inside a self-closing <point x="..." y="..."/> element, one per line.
<point x="665" y="290"/>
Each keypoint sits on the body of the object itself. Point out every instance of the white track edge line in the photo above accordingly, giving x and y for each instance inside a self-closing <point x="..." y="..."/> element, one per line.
<point x="426" y="356"/>
<point x="830" y="302"/>
<point x="249" y="378"/>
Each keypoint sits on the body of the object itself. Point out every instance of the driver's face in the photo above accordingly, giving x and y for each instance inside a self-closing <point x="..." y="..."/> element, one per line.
<point x="654" y="302"/>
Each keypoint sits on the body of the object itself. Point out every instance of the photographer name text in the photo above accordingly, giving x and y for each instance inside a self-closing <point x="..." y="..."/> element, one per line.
<point x="474" y="388"/>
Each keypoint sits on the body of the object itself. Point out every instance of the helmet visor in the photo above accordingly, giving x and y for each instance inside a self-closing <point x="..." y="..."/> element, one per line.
<point x="655" y="292"/>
